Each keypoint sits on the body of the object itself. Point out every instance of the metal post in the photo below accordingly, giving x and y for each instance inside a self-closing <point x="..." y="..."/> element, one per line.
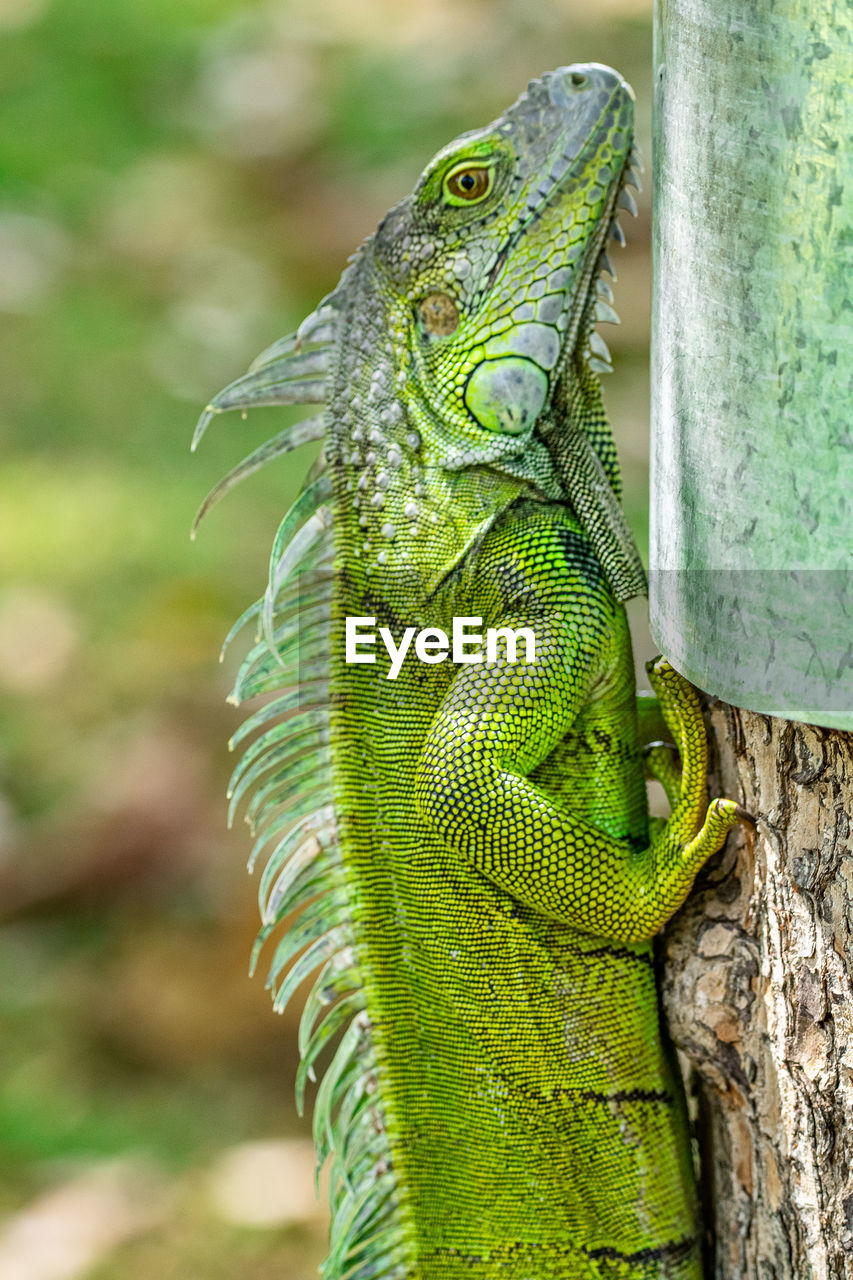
<point x="752" y="452"/>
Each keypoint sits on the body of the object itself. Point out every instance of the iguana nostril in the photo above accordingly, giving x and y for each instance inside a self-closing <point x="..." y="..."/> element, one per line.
<point x="578" y="80"/>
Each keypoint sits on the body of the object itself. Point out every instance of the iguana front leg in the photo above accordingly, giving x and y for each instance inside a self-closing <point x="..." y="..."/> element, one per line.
<point x="495" y="725"/>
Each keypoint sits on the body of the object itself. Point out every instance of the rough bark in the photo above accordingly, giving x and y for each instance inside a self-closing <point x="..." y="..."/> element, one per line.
<point x="758" y="991"/>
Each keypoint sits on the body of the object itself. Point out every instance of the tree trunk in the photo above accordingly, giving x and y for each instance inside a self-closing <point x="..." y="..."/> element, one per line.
<point x="758" y="992"/>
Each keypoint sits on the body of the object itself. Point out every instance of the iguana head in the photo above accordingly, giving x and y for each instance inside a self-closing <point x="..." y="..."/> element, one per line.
<point x="461" y="332"/>
<point x="487" y="268"/>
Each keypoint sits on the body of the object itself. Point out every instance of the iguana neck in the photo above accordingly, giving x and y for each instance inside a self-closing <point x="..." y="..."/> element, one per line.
<point x="406" y="499"/>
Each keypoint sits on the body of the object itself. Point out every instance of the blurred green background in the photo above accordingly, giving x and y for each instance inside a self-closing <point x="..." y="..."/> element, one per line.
<point x="181" y="182"/>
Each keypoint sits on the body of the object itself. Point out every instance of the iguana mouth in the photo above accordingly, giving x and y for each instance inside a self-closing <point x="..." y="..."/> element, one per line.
<point x="593" y="294"/>
<point x="557" y="189"/>
<point x="595" y="259"/>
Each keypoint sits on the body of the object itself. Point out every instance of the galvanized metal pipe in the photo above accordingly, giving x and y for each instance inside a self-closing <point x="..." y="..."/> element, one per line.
<point x="752" y="413"/>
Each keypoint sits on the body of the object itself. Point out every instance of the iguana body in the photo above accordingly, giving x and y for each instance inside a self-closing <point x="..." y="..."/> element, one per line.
<point x="468" y="846"/>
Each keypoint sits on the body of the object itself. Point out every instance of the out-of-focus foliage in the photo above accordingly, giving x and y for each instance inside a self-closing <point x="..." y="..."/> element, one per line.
<point x="181" y="182"/>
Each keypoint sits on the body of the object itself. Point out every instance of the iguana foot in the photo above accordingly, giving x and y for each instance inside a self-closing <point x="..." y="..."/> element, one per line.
<point x="700" y="828"/>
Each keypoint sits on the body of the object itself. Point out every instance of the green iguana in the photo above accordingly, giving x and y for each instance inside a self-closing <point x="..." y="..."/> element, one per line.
<point x="463" y="851"/>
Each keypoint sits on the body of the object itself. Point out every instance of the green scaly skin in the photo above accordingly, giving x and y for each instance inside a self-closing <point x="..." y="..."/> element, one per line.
<point x="467" y="848"/>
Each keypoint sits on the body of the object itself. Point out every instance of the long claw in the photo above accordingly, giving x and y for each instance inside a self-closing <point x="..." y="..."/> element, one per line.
<point x="746" y="818"/>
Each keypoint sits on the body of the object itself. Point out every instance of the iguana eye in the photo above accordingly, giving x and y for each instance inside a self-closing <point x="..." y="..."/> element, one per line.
<point x="468" y="183"/>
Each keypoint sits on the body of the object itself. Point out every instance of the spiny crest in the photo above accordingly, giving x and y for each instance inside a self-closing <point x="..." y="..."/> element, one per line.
<point x="284" y="778"/>
<point x="292" y="371"/>
<point x="286" y="770"/>
<point x="596" y="352"/>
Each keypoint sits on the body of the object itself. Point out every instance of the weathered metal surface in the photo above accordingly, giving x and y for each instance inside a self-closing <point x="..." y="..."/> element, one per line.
<point x="752" y="446"/>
